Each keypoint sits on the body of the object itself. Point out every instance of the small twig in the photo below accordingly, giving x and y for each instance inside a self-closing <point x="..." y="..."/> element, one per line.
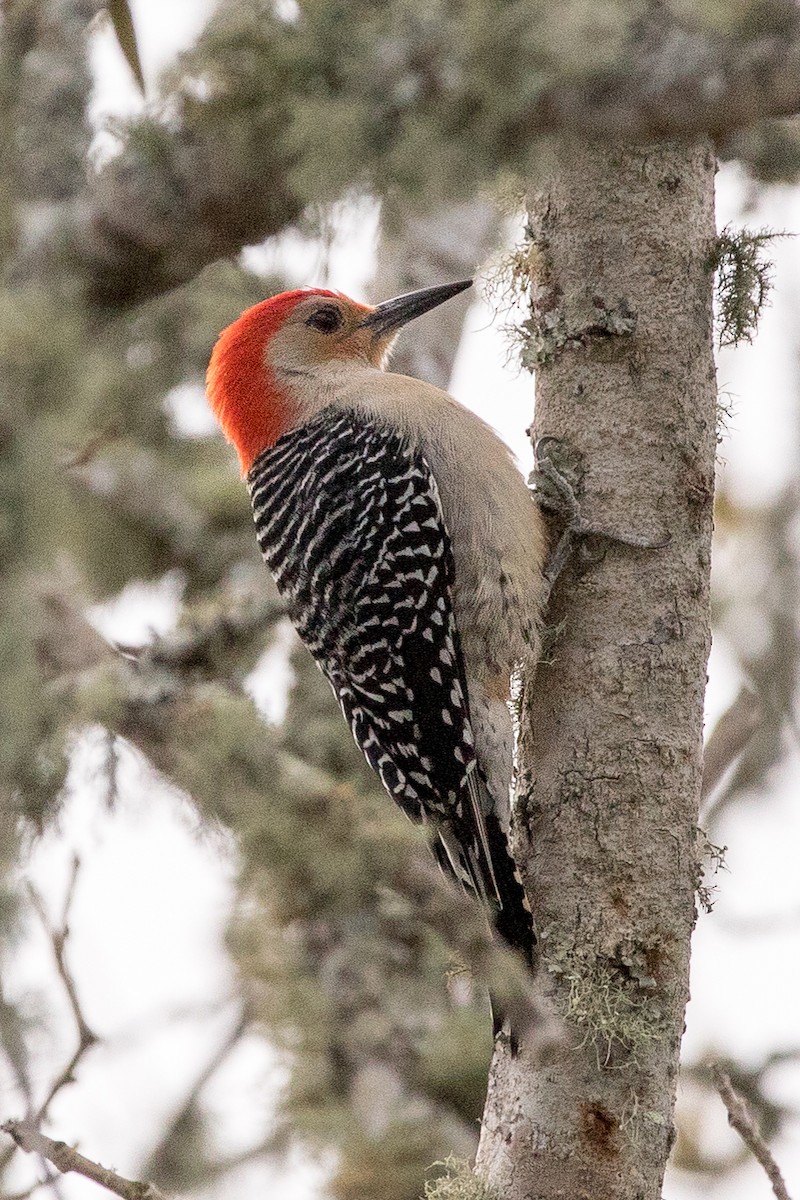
<point x="65" y="1159"/>
<point x="51" y="1179"/>
<point x="741" y="1119"/>
<point x="89" y="451"/>
<point x="12" y="1042"/>
<point x="58" y="939"/>
<point x="5" y="1158"/>
<point x="190" y="645"/>
<point x="275" y="1144"/>
<point x="66" y="1076"/>
<point x="76" y="647"/>
<point x="111" y="763"/>
<point x="229" y="1044"/>
<point x="731" y="734"/>
<point x="48" y="1181"/>
<point x="232" y="1039"/>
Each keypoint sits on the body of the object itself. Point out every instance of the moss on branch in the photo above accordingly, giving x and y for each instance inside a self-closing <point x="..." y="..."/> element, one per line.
<point x="743" y="282"/>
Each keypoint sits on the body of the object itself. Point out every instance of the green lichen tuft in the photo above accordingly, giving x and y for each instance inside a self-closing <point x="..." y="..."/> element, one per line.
<point x="507" y="284"/>
<point x="520" y="288"/>
<point x="508" y="279"/>
<point x="711" y="860"/>
<point x="612" y="1009"/>
<point x="458" y="1182"/>
<point x="743" y="283"/>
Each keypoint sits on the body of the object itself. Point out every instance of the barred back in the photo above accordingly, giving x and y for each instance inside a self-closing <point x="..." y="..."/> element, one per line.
<point x="349" y="522"/>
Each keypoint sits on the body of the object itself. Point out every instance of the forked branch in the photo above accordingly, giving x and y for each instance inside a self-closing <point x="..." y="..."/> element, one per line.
<point x="66" y="1159"/>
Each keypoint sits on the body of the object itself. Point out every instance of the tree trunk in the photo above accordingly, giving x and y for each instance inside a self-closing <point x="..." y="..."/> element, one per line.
<point x="611" y="740"/>
<point x="420" y="250"/>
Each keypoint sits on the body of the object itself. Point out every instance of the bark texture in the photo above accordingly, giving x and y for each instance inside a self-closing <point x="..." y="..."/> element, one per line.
<point x="611" y="740"/>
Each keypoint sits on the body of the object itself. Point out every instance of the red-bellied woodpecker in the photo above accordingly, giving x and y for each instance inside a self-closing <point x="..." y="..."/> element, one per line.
<point x="409" y="552"/>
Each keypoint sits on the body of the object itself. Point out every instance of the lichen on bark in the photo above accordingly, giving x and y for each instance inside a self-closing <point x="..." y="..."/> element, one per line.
<point x="611" y="738"/>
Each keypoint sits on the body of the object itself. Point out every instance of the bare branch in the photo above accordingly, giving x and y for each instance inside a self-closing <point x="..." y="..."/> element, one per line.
<point x="134" y="246"/>
<point x="66" y="1159"/>
<point x="12" y="1043"/>
<point x="731" y="734"/>
<point x="741" y="1119"/>
<point x="86" y="454"/>
<point x="222" y="1052"/>
<point x="191" y="644"/>
<point x="417" y="250"/>
<point x="23" y="1195"/>
<point x="86" y="1036"/>
<point x="49" y="1180"/>
<point x="672" y="81"/>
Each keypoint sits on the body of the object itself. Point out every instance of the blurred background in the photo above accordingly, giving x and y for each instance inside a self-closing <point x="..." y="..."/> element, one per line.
<point x="197" y="985"/>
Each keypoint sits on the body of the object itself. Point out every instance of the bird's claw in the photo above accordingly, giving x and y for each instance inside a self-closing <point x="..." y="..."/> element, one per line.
<point x="555" y="480"/>
<point x="556" y="477"/>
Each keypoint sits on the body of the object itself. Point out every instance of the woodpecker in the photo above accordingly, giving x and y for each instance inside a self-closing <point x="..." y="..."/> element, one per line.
<point x="409" y="552"/>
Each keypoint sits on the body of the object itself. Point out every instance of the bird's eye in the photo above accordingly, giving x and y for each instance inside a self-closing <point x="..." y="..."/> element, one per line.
<point x="327" y="319"/>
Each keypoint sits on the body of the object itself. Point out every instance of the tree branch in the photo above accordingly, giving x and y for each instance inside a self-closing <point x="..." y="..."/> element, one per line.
<point x="678" y="83"/>
<point x="419" y="249"/>
<point x="66" y="1159"/>
<point x="730" y="735"/>
<point x="86" y="1036"/>
<point x="179" y="197"/>
<point x="23" y="1195"/>
<point x="160" y="1156"/>
<point x="193" y="648"/>
<point x="740" y="1119"/>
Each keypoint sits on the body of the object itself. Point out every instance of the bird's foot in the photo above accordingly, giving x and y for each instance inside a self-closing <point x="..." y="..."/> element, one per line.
<point x="555" y="481"/>
<point x="503" y="1035"/>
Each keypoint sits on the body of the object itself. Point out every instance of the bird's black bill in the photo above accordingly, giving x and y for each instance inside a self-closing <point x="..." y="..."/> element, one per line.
<point x="392" y="314"/>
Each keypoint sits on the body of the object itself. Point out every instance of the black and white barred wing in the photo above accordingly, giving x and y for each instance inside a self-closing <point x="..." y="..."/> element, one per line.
<point x="349" y="521"/>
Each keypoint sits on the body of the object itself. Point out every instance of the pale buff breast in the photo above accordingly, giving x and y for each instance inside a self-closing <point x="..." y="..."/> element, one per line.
<point x="495" y="527"/>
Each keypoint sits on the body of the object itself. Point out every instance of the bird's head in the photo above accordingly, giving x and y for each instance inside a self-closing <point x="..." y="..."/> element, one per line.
<point x="266" y="363"/>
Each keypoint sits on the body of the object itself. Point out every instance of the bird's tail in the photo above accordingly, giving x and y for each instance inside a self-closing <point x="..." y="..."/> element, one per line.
<point x="475" y="850"/>
<point x="477" y="853"/>
<point x="511" y="912"/>
<point x="512" y="918"/>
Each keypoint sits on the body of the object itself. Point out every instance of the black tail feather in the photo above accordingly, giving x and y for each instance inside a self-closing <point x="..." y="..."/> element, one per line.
<point x="501" y="887"/>
<point x="513" y="918"/>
